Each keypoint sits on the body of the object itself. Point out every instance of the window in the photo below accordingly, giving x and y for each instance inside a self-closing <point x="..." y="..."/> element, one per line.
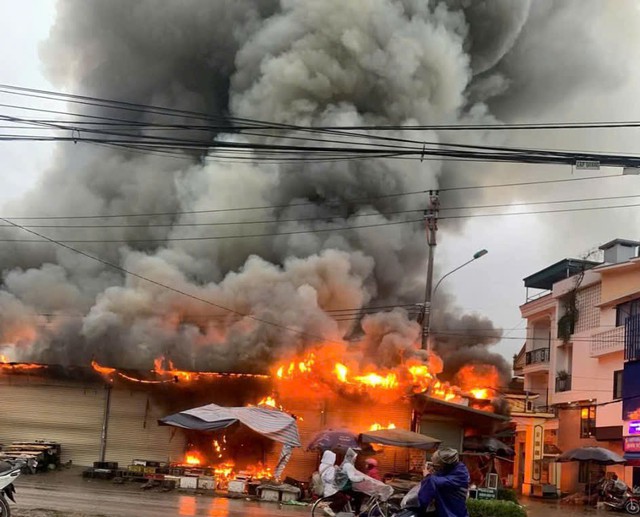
<point x="587" y="421"/>
<point x="617" y="384"/>
<point x="625" y="310"/>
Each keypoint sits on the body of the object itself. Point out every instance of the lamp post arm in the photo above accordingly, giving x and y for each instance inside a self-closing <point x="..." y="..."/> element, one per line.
<point x="447" y="274"/>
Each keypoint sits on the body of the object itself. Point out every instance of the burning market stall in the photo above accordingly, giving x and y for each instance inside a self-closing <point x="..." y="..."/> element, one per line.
<point x="266" y="421"/>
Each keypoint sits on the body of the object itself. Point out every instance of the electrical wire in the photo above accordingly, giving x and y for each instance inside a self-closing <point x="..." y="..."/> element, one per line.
<point x="325" y="218"/>
<point x="450" y="150"/>
<point x="311" y="203"/>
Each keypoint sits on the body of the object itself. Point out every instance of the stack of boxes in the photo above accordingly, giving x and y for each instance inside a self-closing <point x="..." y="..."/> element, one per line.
<point x="174" y="476"/>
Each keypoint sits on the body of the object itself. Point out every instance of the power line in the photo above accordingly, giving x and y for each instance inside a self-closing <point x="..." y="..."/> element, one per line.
<point x="319" y="230"/>
<point x="217" y="237"/>
<point x="324" y="218"/>
<point x="312" y="203"/>
<point x="538" y="212"/>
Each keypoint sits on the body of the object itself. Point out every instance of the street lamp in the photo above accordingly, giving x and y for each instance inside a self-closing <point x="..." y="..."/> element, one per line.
<point x="429" y="295"/>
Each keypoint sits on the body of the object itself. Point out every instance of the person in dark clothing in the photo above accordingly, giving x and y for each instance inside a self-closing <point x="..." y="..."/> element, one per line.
<point x="447" y="484"/>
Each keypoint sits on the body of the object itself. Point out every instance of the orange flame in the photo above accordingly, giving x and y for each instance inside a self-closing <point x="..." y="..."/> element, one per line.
<point x="192" y="458"/>
<point x="378" y="427"/>
<point x="6" y="365"/>
<point x="259" y="471"/>
<point x="412" y="376"/>
<point x="478" y="380"/>
<point x="268" y="401"/>
<point x="163" y="367"/>
<point x="102" y="369"/>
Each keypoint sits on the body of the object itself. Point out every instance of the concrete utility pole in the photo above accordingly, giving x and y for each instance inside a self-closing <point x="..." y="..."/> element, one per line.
<point x="431" y="226"/>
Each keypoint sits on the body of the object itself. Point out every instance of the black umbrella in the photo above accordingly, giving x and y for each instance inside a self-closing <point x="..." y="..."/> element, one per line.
<point x="400" y="438"/>
<point x="488" y="445"/>
<point x="337" y="440"/>
<point x="598" y="455"/>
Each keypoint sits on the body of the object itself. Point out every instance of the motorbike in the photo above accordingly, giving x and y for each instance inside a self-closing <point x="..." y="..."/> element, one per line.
<point x="616" y="495"/>
<point x="9" y="472"/>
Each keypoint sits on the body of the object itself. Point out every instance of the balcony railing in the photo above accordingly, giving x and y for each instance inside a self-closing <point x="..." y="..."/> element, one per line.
<point x="563" y="384"/>
<point x="538" y="356"/>
<point x="607" y="342"/>
<point x="632" y="338"/>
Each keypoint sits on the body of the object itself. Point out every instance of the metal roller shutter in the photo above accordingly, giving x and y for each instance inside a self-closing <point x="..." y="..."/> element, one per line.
<point x="319" y="414"/>
<point x="449" y="431"/>
<point x="68" y="414"/>
<point x="360" y="416"/>
<point x="134" y="433"/>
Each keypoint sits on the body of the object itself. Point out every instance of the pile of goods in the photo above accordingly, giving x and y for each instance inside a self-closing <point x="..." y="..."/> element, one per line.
<point x="45" y="452"/>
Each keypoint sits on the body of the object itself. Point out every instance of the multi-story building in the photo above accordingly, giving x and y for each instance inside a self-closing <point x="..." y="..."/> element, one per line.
<point x="572" y="363"/>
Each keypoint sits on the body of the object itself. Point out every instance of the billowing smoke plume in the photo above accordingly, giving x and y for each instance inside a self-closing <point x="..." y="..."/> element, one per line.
<point x="329" y="62"/>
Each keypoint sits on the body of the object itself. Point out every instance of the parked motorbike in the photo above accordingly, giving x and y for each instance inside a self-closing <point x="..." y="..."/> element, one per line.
<point x="9" y="472"/>
<point x="616" y="495"/>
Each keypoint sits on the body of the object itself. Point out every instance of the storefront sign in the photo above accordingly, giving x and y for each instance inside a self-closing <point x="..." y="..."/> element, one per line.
<point x="634" y="427"/>
<point x="632" y="444"/>
<point x="538" y="445"/>
<point x="484" y="493"/>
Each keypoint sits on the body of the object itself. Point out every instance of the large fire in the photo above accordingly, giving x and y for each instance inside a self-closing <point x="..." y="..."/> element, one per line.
<point x="411" y="377"/>
<point x="479" y="380"/>
<point x="225" y="469"/>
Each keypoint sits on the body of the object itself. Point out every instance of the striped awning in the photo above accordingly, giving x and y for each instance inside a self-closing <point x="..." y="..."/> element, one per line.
<point x="272" y="423"/>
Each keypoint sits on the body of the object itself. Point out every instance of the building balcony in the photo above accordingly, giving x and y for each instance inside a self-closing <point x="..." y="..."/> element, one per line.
<point x="540" y="355"/>
<point x="536" y="360"/>
<point x="607" y="342"/>
<point x="563" y="383"/>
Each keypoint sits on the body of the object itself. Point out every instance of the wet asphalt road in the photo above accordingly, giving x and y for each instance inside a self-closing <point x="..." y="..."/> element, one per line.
<point x="66" y="494"/>
<point x="39" y="501"/>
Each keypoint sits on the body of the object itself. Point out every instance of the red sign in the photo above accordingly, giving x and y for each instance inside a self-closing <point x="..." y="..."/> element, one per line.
<point x="632" y="444"/>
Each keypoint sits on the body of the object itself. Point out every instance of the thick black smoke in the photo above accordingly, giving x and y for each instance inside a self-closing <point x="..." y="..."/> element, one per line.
<point x="329" y="62"/>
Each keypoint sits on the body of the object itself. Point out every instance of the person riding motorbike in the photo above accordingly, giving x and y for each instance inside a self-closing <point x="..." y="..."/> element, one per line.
<point x="447" y="483"/>
<point x="354" y="476"/>
<point x="327" y="471"/>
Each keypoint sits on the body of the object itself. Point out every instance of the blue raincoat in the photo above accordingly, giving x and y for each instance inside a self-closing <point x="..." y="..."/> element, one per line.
<point x="449" y="490"/>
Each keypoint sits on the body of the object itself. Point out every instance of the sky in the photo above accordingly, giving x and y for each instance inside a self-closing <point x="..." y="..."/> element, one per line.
<point x="518" y="245"/>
